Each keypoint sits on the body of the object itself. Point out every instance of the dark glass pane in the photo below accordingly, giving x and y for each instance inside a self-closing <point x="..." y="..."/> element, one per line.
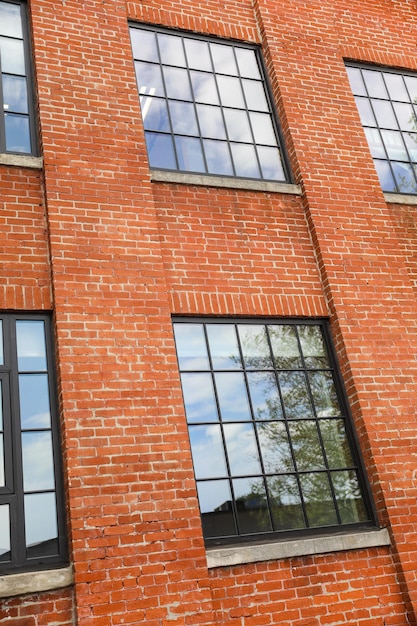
<point x="160" y="151"/>
<point x="286" y="509"/>
<point x="385" y="175"/>
<point x="242" y="450"/>
<point x="208" y="453"/>
<point x="171" y="50"/>
<point x="10" y="20"/>
<point x="374" y="84"/>
<point x="155" y="114"/>
<point x="251" y="506"/>
<point x="318" y="499"/>
<point x="394" y="145"/>
<point x="348" y="496"/>
<point x="199" y="399"/>
<point x="4" y="525"/>
<point x="15" y="95"/>
<point x="285" y="347"/>
<point x="263" y="129"/>
<point x="144" y="45"/>
<point x="255" y="95"/>
<point x="177" y="83"/>
<point x="204" y="88"/>
<point x="410" y="140"/>
<point x="306" y="445"/>
<point x="411" y="82"/>
<point x="218" y="157"/>
<point x="12" y="56"/>
<point x="376" y="146"/>
<point x="271" y="163"/>
<point x="40" y="524"/>
<point x="216" y="508"/>
<point x="231" y="94"/>
<point x="404" y="176"/>
<point x="232" y="395"/>
<point x="396" y="87"/>
<point x="295" y="395"/>
<point x="198" y="55"/>
<point x="324" y="394"/>
<point x="336" y="443"/>
<point x="191" y="346"/>
<point x="365" y="112"/>
<point x="38" y="464"/>
<point x="312" y="345"/>
<point x="275" y="449"/>
<point x="211" y="122"/>
<point x="264" y="396"/>
<point x="255" y="348"/>
<point x="34" y="401"/>
<point x="149" y="78"/>
<point x="237" y="124"/>
<point x="190" y="154"/>
<point x="384" y="114"/>
<point x="247" y="62"/>
<point x="356" y="82"/>
<point x="183" y="118"/>
<point x="223" y="59"/>
<point x="2" y="478"/>
<point x="17" y="133"/>
<point x="406" y="116"/>
<point x="224" y="347"/>
<point x="31" y="349"/>
<point x="244" y="159"/>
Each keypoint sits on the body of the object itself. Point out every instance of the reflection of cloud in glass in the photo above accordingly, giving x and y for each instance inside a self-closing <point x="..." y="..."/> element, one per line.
<point x="233" y="400"/>
<point x="4" y="529"/>
<point x="199" y="400"/>
<point x="34" y="401"/>
<point x="38" y="470"/>
<point x="223" y="346"/>
<point x="40" y="518"/>
<point x="191" y="346"/>
<point x="207" y="450"/>
<point x="31" y="351"/>
<point x="242" y="449"/>
<point x="10" y="21"/>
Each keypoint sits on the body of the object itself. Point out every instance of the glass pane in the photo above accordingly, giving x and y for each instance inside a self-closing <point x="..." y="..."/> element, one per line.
<point x="177" y="83"/>
<point x="190" y="154"/>
<point x="312" y="346"/>
<point x="306" y="445"/>
<point x="223" y="59"/>
<point x="10" y="20"/>
<point x="356" y="82"/>
<point x="284" y="497"/>
<point x="374" y="84"/>
<point x="263" y="129"/>
<point x="2" y="478"/>
<point x="144" y="45"/>
<point x="232" y="395"/>
<point x="285" y="347"/>
<point x="275" y="449"/>
<point x="410" y="140"/>
<point x="411" y="82"/>
<point x="216" y="508"/>
<point x="4" y="524"/>
<point x="406" y="116"/>
<point x="17" y="133"/>
<point x="208" y="453"/>
<point x="385" y="175"/>
<point x="40" y="523"/>
<point x="231" y="94"/>
<point x="12" y="56"/>
<point x="247" y="62"/>
<point x="15" y="95"/>
<point x="31" y="348"/>
<point x="255" y="95"/>
<point x="161" y="151"/>
<point x="183" y="118"/>
<point x="198" y="55"/>
<point x="211" y="122"/>
<point x="218" y="157"/>
<point x="318" y="499"/>
<point x="191" y="346"/>
<point x="38" y="464"/>
<point x="255" y="346"/>
<point x="324" y="394"/>
<point x="295" y="395"/>
<point x="336" y="443"/>
<point x="384" y="114"/>
<point x="375" y="143"/>
<point x="154" y="114"/>
<point x="204" y="88"/>
<point x="394" y="145"/>
<point x="1" y="405"/>
<point x="245" y="161"/>
<point x="242" y="450"/>
<point x="264" y="396"/>
<point x="171" y="50"/>
<point x="404" y="176"/>
<point x="237" y="124"/>
<point x="365" y="112"/>
<point x="271" y="163"/>
<point x="1" y="343"/>
<point x="149" y="78"/>
<point x="34" y="401"/>
<point x="348" y="496"/>
<point x="396" y="87"/>
<point x="251" y="506"/>
<point x="199" y="399"/>
<point x="224" y="348"/>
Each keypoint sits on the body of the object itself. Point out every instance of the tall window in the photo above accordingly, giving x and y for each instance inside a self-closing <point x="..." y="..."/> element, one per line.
<point x="16" y="121"/>
<point x="270" y="435"/>
<point x="31" y="515"/>
<point x="205" y="106"/>
<point x="387" y="104"/>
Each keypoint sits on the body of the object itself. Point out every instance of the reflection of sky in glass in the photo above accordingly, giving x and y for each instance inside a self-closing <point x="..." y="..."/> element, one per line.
<point x="199" y="399"/>
<point x="17" y="133"/>
<point x="38" y="465"/>
<point x="223" y="346"/>
<point x="10" y="21"/>
<point x="212" y="494"/>
<point x="191" y="346"/>
<point x="34" y="401"/>
<point x="4" y="525"/>
<point x="2" y="481"/>
<point x="247" y="62"/>
<point x="15" y="95"/>
<point x="284" y="346"/>
<point x="295" y="395"/>
<point x="275" y="449"/>
<point x="208" y="453"/>
<point x="255" y="347"/>
<point x="40" y="518"/>
<point x="232" y="395"/>
<point x="12" y="58"/>
<point x="324" y="394"/>
<point x="144" y="44"/>
<point x="171" y="50"/>
<point x="198" y="55"/>
<point x="223" y="59"/>
<point x="241" y="449"/>
<point x="265" y="400"/>
<point x="31" y="350"/>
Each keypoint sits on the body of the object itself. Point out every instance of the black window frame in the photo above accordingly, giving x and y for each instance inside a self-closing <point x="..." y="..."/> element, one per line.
<point x="345" y="416"/>
<point x="28" y="61"/>
<point x="271" y="110"/>
<point x="46" y="554"/>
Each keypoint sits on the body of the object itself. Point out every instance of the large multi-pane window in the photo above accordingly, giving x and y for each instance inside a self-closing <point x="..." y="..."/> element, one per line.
<point x="31" y="515"/>
<point x="205" y="106"/>
<point x="387" y="104"/>
<point x="270" y="435"/>
<point x="16" y="121"/>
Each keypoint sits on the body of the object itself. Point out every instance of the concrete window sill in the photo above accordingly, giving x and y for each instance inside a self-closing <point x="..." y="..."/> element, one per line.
<point x="21" y="160"/>
<point x="252" y="553"/>
<point x="35" y="582"/>
<point x="400" y="198"/>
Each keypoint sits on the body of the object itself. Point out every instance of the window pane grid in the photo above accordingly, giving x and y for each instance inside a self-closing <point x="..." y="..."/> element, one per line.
<point x="266" y="448"/>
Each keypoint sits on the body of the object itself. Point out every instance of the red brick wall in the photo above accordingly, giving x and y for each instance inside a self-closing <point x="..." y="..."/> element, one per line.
<point x="44" y="609"/>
